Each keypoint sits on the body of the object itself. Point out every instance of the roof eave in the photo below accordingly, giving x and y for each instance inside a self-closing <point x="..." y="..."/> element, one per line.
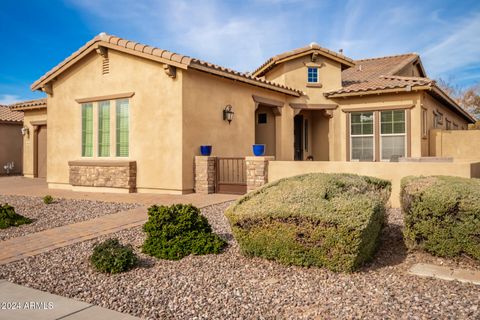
<point x="378" y="91"/>
<point x="452" y="102"/>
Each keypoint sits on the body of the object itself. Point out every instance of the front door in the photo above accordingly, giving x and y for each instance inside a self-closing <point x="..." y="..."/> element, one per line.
<point x="42" y="152"/>
<point x="298" y="137"/>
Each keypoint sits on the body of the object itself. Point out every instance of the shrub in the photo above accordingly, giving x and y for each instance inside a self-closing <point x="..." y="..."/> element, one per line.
<point x="111" y="256"/>
<point x="324" y="220"/>
<point x="177" y="231"/>
<point x="442" y="215"/>
<point x="48" y="199"/>
<point x="9" y="218"/>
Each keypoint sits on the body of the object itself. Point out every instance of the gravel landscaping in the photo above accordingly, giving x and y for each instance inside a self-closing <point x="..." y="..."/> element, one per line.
<point x="60" y="212"/>
<point x="230" y="286"/>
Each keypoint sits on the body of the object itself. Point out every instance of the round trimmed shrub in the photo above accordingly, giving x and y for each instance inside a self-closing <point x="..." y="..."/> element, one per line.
<point x="317" y="219"/>
<point x="111" y="256"/>
<point x="9" y="218"/>
<point x="48" y="199"/>
<point x="178" y="231"/>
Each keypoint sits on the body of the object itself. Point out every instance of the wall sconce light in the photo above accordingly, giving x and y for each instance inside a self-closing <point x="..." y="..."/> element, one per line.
<point x="228" y="113"/>
<point x="25" y="131"/>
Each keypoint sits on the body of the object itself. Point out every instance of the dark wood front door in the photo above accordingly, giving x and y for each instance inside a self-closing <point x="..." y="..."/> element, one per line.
<point x="231" y="176"/>
<point x="41" y="152"/>
<point x="298" y="137"/>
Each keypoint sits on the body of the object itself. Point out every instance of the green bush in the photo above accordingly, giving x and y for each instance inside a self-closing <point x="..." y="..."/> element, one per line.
<point x="177" y="231"/>
<point x="48" y="199"/>
<point x="442" y="215"/>
<point x="111" y="256"/>
<point x="9" y="218"/>
<point x="324" y="220"/>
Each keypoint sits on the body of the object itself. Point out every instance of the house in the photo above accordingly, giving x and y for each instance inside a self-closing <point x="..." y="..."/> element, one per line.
<point x="11" y="123"/>
<point x="123" y="116"/>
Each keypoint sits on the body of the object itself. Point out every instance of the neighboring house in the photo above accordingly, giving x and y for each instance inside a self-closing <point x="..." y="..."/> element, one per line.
<point x="35" y="137"/>
<point x="123" y="116"/>
<point x="11" y="123"/>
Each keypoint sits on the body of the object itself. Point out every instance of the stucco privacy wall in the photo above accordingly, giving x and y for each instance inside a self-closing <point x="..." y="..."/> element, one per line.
<point x="459" y="144"/>
<point x="155" y="117"/>
<point x="393" y="171"/>
<point x="10" y="146"/>
<point x="204" y="98"/>
<point x="431" y="104"/>
<point x="29" y="116"/>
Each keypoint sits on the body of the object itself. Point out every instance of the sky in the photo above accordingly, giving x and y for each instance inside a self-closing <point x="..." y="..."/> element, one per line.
<point x="37" y="35"/>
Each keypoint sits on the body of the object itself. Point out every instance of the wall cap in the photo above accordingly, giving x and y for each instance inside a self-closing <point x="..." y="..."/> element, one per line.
<point x="101" y="163"/>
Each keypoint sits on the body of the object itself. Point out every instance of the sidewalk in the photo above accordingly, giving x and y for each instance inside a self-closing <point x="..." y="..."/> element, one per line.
<point x="17" y="185"/>
<point x="32" y="304"/>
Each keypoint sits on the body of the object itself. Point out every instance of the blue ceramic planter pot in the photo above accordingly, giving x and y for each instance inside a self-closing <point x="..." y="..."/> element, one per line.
<point x="205" y="150"/>
<point x="258" y="149"/>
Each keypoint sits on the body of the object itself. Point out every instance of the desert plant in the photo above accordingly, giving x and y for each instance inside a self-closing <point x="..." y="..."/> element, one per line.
<point x="324" y="220"/>
<point x="111" y="256"/>
<point x="48" y="199"/>
<point x="442" y="215"/>
<point x="177" y="231"/>
<point x="9" y="218"/>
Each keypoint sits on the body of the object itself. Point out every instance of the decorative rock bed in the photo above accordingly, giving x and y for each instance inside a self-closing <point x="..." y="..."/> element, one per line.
<point x="60" y="212"/>
<point x="231" y="286"/>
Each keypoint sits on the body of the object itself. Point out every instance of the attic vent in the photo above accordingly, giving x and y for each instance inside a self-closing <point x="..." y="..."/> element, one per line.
<point x="105" y="66"/>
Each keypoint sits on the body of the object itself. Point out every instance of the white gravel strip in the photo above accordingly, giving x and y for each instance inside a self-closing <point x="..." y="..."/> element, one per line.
<point x="230" y="286"/>
<point x="59" y="213"/>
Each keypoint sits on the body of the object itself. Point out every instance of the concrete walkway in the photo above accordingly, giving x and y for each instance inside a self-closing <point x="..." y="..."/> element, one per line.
<point x="38" y="188"/>
<point x="22" y="303"/>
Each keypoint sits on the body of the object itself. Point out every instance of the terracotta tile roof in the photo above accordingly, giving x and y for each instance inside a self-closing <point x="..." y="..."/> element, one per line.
<point x="313" y="47"/>
<point x="30" y="104"/>
<point x="6" y="114"/>
<point x="160" y="55"/>
<point x="379" y="74"/>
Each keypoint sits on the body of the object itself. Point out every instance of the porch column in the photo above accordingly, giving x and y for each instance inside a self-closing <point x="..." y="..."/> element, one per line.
<point x="257" y="171"/>
<point x="205" y="174"/>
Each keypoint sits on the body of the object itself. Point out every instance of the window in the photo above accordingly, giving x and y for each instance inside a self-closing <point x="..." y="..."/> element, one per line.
<point x="455" y="126"/>
<point x="122" y="128"/>
<point x="424" y="123"/>
<point x="449" y="124"/>
<point x="87" y="130"/>
<point x="392" y="134"/>
<point x="104" y="129"/>
<point x="361" y="136"/>
<point x="312" y="75"/>
<point x="438" y="119"/>
<point x="262" y="118"/>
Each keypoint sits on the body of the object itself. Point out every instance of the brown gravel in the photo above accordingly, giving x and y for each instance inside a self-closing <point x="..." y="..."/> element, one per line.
<point x="59" y="213"/>
<point x="230" y="286"/>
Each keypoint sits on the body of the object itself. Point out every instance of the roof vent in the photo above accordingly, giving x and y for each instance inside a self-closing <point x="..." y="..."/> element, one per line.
<point x="340" y="51"/>
<point x="359" y="67"/>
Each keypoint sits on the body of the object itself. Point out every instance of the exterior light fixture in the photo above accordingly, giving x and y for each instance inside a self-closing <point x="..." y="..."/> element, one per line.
<point x="228" y="113"/>
<point x="25" y="131"/>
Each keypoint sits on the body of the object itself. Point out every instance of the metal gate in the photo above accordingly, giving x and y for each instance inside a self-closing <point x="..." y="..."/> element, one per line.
<point x="231" y="176"/>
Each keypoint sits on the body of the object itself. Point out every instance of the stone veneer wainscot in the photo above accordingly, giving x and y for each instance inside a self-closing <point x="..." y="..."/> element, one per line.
<point x="103" y="173"/>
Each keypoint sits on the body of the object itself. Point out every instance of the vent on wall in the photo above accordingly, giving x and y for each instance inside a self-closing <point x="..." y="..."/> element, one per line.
<point x="105" y="66"/>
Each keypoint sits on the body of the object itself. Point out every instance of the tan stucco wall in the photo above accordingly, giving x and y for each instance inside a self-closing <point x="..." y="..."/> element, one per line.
<point x="155" y="118"/>
<point x="459" y="144"/>
<point x="265" y="132"/>
<point x="204" y="98"/>
<point x="30" y="116"/>
<point x="431" y="104"/>
<point x="11" y="146"/>
<point x="384" y="170"/>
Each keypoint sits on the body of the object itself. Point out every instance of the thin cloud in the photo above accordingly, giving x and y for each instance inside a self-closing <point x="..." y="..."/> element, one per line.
<point x="6" y="99"/>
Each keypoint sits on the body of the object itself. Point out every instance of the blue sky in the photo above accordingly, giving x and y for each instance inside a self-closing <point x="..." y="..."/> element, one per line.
<point x="36" y="35"/>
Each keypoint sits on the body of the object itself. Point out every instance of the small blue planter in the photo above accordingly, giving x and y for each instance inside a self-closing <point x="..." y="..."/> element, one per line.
<point x="205" y="150"/>
<point x="258" y="149"/>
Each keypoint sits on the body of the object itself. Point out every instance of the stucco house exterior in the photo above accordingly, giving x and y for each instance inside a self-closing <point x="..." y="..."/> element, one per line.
<point x="11" y="123"/>
<point x="123" y="116"/>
